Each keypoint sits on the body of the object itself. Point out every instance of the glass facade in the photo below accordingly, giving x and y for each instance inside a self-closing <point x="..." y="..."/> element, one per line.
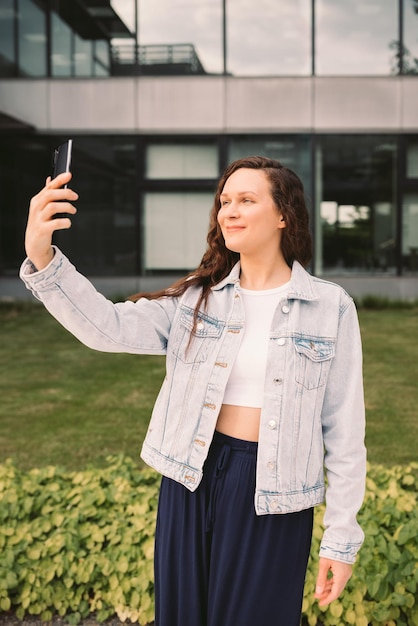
<point x="291" y="150"/>
<point x="232" y="37"/>
<point x="410" y="37"/>
<point x="61" y="41"/>
<point x="175" y="229"/>
<point x="356" y="202"/>
<point x="7" y="38"/>
<point x="278" y="42"/>
<point x="104" y="236"/>
<point x="105" y="232"/>
<point x="164" y="22"/>
<point x="186" y="161"/>
<point x="32" y="39"/>
<point x="410" y="209"/>
<point x="145" y="200"/>
<point x="356" y="37"/>
<point x="83" y="57"/>
<point x="144" y="203"/>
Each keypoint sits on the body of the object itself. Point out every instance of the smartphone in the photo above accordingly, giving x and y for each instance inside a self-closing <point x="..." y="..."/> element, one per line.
<point x="61" y="158"/>
<point x="61" y="162"/>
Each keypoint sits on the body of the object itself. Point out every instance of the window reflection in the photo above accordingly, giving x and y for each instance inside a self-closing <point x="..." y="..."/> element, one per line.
<point x="410" y="233"/>
<point x="61" y="60"/>
<point x="176" y="225"/>
<point x="180" y="161"/>
<point x="410" y="26"/>
<point x="32" y="39"/>
<point x="83" y="56"/>
<point x="7" y="40"/>
<point x="103" y="236"/>
<point x="292" y="151"/>
<point x="187" y="22"/>
<point x="356" y="228"/>
<point x="101" y="58"/>
<point x="356" y="37"/>
<point x="412" y="159"/>
<point x="269" y="37"/>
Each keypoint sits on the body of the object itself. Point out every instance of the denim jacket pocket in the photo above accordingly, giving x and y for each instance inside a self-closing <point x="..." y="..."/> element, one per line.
<point x="313" y="359"/>
<point x="193" y="345"/>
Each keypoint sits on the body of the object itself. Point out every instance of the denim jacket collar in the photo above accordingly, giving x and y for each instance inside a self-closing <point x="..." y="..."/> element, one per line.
<point x="301" y="282"/>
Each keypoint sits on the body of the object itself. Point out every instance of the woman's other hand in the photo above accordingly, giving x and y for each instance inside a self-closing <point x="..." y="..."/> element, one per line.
<point x="52" y="199"/>
<point x="332" y="578"/>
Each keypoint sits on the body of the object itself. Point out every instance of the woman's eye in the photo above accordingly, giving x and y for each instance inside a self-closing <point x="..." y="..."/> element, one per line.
<point x="224" y="203"/>
<point x="247" y="200"/>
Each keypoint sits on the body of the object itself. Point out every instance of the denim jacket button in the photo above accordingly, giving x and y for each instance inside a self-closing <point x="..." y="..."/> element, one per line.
<point x="271" y="465"/>
<point x="200" y="325"/>
<point x="281" y="341"/>
<point x="285" y="309"/>
<point x="272" y="424"/>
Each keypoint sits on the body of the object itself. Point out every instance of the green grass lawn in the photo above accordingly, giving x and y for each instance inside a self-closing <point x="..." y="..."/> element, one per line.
<point x="64" y="404"/>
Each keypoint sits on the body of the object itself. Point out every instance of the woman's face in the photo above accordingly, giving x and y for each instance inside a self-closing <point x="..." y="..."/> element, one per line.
<point x="251" y="223"/>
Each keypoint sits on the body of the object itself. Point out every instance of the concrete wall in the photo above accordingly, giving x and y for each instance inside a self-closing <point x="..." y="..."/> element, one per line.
<point x="212" y="104"/>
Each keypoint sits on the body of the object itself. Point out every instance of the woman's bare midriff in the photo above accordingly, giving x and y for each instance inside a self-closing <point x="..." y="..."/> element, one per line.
<point x="241" y="422"/>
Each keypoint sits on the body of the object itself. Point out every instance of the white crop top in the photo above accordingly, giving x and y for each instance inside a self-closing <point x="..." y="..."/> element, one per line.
<point x="246" y="382"/>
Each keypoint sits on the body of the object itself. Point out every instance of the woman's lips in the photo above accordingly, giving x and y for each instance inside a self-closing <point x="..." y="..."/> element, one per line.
<point x="231" y="229"/>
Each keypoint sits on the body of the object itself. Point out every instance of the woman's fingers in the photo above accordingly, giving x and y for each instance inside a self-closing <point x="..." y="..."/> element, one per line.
<point x="51" y="200"/>
<point x="60" y="180"/>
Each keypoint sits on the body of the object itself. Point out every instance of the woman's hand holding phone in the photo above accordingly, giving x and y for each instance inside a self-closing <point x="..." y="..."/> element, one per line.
<point x="53" y="198"/>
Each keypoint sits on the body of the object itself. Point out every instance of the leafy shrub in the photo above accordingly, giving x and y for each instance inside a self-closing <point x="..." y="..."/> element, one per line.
<point x="383" y="589"/>
<point x="381" y="302"/>
<point x="73" y="543"/>
<point x="78" y="542"/>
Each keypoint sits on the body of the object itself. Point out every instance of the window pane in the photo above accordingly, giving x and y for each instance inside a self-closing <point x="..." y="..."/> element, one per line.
<point x="101" y="53"/>
<point x="32" y="39"/>
<point x="103" y="237"/>
<point x="410" y="233"/>
<point x="18" y="153"/>
<point x="165" y="22"/>
<point x="410" y="30"/>
<point x="101" y="58"/>
<point x="412" y="160"/>
<point x="83" y="57"/>
<point x="356" y="37"/>
<point x="61" y="47"/>
<point x="269" y="37"/>
<point x="291" y="151"/>
<point x="182" y="161"/>
<point x="176" y="226"/>
<point x="356" y="227"/>
<point x="7" y="39"/>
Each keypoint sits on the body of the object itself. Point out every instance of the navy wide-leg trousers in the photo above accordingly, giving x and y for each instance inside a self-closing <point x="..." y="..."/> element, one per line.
<point x="219" y="564"/>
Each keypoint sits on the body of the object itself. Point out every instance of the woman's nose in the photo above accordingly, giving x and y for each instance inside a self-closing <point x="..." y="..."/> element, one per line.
<point x="231" y="209"/>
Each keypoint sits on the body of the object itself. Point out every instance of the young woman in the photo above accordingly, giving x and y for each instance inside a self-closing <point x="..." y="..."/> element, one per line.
<point x="263" y="390"/>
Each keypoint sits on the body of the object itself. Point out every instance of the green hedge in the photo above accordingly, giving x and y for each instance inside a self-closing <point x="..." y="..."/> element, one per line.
<point x="75" y="543"/>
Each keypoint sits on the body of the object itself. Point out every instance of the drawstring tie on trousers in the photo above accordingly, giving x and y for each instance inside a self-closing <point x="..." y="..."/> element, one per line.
<point x="220" y="469"/>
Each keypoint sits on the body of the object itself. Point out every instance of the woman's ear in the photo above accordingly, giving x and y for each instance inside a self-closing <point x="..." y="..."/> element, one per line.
<point x="282" y="223"/>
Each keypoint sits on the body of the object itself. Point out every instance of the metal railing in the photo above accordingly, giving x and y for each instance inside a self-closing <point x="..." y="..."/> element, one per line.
<point x="131" y="58"/>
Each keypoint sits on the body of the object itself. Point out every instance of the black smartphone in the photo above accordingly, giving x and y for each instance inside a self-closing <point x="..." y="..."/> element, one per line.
<point x="61" y="162"/>
<point x="61" y="158"/>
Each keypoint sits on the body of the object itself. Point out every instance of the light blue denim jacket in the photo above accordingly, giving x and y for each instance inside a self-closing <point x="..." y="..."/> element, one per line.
<point x="313" y="410"/>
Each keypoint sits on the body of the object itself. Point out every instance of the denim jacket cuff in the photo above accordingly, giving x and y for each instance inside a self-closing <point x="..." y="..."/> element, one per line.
<point x="345" y="553"/>
<point x="42" y="279"/>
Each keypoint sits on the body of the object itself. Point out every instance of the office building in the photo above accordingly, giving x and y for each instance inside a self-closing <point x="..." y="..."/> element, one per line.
<point x="159" y="96"/>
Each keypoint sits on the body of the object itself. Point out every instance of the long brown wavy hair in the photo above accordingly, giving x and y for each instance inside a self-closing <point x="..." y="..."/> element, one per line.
<point x="217" y="261"/>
